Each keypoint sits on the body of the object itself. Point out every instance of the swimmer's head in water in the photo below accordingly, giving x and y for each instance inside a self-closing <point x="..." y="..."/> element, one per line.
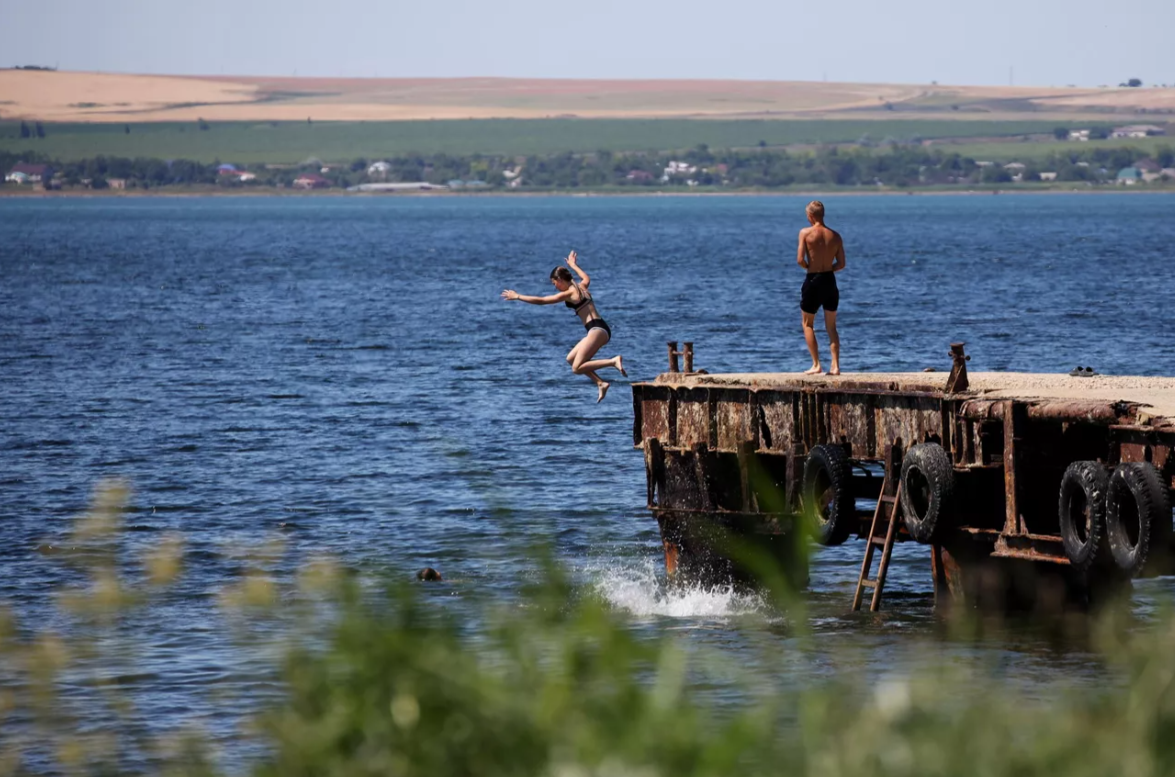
<point x="815" y="211"/>
<point x="561" y="277"/>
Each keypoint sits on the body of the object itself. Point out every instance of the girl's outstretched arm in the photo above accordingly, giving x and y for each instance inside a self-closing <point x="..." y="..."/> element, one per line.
<point x="572" y="262"/>
<point x="510" y="294"/>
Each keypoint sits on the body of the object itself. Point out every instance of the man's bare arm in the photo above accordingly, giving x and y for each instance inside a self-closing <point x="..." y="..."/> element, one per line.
<point x="838" y="261"/>
<point x="802" y="251"/>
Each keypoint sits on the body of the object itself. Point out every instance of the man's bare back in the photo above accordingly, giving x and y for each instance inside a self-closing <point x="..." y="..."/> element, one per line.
<point x="821" y="252"/>
<point x="823" y="248"/>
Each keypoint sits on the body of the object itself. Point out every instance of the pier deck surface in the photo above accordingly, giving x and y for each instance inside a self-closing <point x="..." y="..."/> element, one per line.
<point x="1158" y="393"/>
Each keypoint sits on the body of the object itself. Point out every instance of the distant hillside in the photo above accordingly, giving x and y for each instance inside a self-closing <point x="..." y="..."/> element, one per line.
<point x="117" y="98"/>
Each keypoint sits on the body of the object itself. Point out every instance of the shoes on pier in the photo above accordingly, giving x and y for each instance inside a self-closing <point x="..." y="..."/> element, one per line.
<point x="1083" y="372"/>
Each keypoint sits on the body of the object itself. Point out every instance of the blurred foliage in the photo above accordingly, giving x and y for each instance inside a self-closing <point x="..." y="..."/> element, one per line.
<point x="386" y="682"/>
<point x="552" y="688"/>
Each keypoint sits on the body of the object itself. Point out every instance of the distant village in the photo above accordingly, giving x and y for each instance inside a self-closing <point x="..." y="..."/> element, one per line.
<point x="46" y="177"/>
<point x="1145" y="170"/>
<point x="927" y="164"/>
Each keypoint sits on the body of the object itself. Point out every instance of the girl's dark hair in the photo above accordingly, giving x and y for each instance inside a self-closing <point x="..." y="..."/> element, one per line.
<point x="562" y="273"/>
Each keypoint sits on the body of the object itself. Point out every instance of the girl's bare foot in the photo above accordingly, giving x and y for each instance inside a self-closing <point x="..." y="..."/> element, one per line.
<point x="620" y="365"/>
<point x="815" y="369"/>
<point x="834" y="371"/>
<point x="603" y="391"/>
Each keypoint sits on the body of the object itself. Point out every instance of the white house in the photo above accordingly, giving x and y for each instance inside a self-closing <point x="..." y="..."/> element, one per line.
<point x="1137" y="131"/>
<point x="240" y="176"/>
<point x="1128" y="176"/>
<point x="1079" y="135"/>
<point x="396" y="187"/>
<point x="379" y="168"/>
<point x="22" y="172"/>
<point x="311" y="181"/>
<point x="1153" y="172"/>
<point x="1048" y="176"/>
<point x="678" y="168"/>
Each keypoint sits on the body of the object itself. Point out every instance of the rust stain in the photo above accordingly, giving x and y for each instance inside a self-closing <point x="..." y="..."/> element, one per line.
<point x="718" y="447"/>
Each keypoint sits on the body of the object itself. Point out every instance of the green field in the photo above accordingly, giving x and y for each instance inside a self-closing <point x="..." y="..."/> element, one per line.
<point x="292" y="142"/>
<point x="1025" y="151"/>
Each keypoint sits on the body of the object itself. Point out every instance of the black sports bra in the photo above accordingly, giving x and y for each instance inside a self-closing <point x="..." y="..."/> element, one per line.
<point x="584" y="298"/>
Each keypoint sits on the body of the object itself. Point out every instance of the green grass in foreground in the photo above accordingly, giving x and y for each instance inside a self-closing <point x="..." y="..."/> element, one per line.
<point x="292" y="142"/>
<point x="554" y="685"/>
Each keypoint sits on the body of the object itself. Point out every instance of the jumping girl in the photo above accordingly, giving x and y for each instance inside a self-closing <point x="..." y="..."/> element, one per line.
<point x="575" y="296"/>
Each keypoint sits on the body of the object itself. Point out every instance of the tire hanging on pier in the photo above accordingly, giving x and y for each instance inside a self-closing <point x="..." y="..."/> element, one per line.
<point x="1082" y="514"/>
<point x="928" y="487"/>
<point x="828" y="503"/>
<point x="1138" y="519"/>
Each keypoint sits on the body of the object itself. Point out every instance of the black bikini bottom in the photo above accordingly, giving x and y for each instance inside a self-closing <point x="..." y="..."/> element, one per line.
<point x="598" y="323"/>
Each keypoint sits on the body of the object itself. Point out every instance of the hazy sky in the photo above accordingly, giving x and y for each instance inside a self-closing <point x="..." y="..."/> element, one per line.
<point x="1042" y="42"/>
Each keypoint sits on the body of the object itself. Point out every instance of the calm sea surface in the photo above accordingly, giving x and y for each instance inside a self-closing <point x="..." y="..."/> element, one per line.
<point x="341" y="371"/>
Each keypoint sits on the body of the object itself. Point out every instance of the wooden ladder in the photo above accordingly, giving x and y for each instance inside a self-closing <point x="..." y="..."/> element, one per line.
<point x="886" y="543"/>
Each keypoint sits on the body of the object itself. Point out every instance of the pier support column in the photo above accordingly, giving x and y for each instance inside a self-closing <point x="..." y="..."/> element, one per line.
<point x="948" y="578"/>
<point x="654" y="470"/>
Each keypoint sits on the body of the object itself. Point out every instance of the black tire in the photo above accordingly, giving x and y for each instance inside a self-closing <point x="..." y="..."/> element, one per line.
<point x="828" y="502"/>
<point x="928" y="487"/>
<point x="1138" y="519"/>
<point x="1082" y="514"/>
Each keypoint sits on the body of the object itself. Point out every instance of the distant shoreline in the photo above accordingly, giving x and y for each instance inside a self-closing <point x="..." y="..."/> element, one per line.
<point x="10" y="192"/>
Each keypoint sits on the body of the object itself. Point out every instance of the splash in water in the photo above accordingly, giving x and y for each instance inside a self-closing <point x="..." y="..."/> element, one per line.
<point x="641" y="591"/>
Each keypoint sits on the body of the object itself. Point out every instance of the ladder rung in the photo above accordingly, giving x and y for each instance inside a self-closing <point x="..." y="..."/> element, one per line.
<point x="881" y="535"/>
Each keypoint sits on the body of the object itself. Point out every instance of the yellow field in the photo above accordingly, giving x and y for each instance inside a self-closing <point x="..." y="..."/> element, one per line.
<point x="101" y="97"/>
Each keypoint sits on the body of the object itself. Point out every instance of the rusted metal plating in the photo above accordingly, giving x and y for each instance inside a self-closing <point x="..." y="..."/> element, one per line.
<point x="733" y="454"/>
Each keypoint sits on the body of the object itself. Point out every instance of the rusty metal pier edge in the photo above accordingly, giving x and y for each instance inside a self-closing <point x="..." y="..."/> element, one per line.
<point x="726" y="461"/>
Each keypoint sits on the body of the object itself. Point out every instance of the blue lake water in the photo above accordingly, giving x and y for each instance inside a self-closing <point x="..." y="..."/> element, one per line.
<point x="340" y="371"/>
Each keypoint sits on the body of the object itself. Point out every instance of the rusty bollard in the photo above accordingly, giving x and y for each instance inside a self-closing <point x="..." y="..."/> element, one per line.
<point x="687" y="353"/>
<point x="958" y="378"/>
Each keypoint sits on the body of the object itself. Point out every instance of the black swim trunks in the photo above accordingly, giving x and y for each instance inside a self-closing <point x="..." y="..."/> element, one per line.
<point x="819" y="289"/>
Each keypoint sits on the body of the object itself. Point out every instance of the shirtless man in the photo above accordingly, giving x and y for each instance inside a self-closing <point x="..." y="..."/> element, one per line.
<point x="821" y="253"/>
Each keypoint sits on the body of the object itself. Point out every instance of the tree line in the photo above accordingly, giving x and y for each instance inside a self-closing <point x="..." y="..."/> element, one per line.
<point x="895" y="166"/>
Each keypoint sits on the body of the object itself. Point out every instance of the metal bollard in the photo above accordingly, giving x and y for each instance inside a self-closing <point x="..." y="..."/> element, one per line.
<point x="957" y="380"/>
<point x="687" y="353"/>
